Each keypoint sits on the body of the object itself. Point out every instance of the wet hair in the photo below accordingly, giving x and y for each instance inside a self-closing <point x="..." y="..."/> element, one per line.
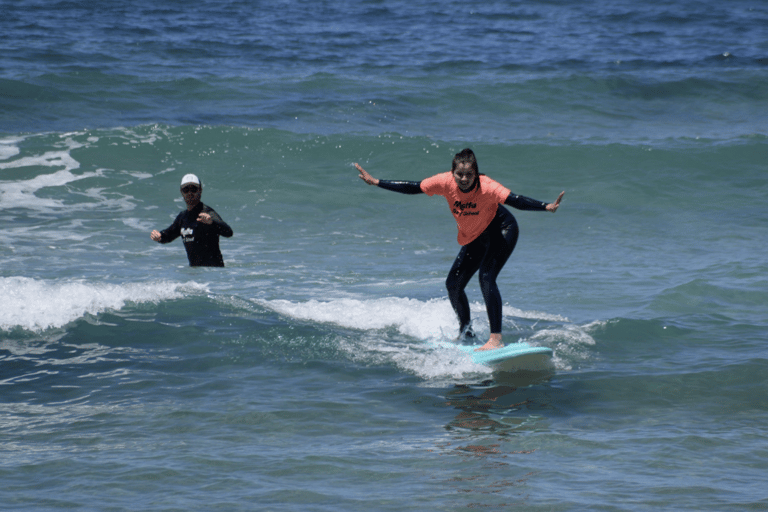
<point x="465" y="156"/>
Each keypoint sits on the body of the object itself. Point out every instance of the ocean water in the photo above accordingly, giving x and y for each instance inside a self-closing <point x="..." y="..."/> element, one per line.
<point x="299" y="377"/>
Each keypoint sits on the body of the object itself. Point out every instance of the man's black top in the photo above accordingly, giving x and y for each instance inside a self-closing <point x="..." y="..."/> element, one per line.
<point x="200" y="240"/>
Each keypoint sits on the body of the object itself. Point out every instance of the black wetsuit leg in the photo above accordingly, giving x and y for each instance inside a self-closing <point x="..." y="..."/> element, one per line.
<point x="487" y="253"/>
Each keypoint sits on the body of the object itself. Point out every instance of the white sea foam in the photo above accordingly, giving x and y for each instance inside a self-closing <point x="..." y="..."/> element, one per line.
<point x="425" y="320"/>
<point x="422" y="320"/>
<point x="47" y="159"/>
<point x="8" y="148"/>
<point x="37" y="305"/>
<point x="54" y="169"/>
<point x="432" y="320"/>
<point x="21" y="193"/>
<point x="138" y="224"/>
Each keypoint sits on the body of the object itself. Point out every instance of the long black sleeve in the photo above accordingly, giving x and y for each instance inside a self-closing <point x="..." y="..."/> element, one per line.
<point x="173" y="231"/>
<point x="524" y="203"/>
<point x="222" y="228"/>
<point x="404" y="187"/>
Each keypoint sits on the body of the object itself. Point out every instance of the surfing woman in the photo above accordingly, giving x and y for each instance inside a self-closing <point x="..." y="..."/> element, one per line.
<point x="487" y="231"/>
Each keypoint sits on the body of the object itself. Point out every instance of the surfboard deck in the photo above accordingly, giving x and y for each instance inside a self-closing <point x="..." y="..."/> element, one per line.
<point x="512" y="357"/>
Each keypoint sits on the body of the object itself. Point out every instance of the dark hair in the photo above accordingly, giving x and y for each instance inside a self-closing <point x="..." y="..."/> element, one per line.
<point x="465" y="156"/>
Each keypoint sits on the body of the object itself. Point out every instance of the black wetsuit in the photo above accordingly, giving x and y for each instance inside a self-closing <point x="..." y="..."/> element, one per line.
<point x="200" y="240"/>
<point x="487" y="253"/>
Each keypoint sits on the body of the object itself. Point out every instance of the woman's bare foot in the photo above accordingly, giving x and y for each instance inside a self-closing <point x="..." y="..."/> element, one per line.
<point x="493" y="342"/>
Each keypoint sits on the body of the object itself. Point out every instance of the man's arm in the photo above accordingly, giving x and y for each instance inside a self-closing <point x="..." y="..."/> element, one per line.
<point x="169" y="234"/>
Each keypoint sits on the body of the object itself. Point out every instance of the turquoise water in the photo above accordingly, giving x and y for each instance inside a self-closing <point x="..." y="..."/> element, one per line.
<point x="298" y="377"/>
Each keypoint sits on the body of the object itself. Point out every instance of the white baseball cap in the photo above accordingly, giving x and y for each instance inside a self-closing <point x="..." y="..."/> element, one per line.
<point x="190" y="178"/>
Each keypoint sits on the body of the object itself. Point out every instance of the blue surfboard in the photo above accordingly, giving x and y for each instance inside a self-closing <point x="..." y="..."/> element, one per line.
<point x="510" y="358"/>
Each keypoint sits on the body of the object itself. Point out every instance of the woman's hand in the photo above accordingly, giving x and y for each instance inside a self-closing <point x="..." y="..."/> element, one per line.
<point x="365" y="176"/>
<point x="552" y="207"/>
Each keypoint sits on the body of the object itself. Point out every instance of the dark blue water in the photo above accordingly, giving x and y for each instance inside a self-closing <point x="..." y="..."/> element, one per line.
<point x="298" y="377"/>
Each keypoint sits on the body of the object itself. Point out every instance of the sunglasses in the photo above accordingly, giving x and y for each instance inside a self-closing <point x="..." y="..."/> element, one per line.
<point x="190" y="188"/>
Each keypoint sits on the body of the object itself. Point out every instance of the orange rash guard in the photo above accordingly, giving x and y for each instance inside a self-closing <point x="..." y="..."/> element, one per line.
<point x="473" y="210"/>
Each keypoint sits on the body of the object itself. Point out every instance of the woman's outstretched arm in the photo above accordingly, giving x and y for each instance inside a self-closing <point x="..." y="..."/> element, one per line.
<point x="404" y="187"/>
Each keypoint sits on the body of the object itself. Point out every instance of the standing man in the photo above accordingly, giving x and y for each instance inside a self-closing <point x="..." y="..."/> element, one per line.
<point x="199" y="226"/>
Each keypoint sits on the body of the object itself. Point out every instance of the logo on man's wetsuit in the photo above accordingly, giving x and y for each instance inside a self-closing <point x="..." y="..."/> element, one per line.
<point x="186" y="234"/>
<point x="459" y="207"/>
